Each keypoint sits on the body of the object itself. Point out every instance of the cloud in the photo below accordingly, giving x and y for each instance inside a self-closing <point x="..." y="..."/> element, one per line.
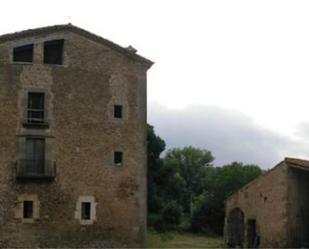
<point x="228" y="134"/>
<point x="302" y="130"/>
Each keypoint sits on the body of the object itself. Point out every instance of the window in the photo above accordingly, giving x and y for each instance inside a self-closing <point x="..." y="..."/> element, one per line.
<point x="28" y="209"/>
<point x="35" y="108"/>
<point x="118" y="158"/>
<point x="53" y="52"/>
<point x="35" y="156"/>
<point x="86" y="211"/>
<point x="23" y="53"/>
<point x="117" y="111"/>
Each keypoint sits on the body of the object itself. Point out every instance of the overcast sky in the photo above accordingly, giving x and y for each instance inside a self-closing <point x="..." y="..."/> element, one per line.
<point x="230" y="76"/>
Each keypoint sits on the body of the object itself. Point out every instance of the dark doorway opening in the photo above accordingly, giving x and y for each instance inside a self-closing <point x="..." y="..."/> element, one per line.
<point x="235" y="226"/>
<point x="299" y="211"/>
<point x="252" y="237"/>
<point x="35" y="156"/>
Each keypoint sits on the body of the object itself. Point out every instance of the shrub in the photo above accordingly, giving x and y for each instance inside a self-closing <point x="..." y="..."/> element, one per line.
<point x="172" y="214"/>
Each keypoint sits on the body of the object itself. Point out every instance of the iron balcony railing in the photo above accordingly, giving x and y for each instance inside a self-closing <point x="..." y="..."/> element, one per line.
<point x="36" y="169"/>
<point x="35" y="116"/>
<point x="36" y="119"/>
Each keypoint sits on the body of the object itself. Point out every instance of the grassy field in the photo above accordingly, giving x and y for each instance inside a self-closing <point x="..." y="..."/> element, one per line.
<point x="182" y="240"/>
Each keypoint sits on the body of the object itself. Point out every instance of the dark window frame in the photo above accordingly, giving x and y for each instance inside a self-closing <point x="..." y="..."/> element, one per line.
<point x="86" y="210"/>
<point x="35" y="150"/>
<point x="36" y="108"/>
<point x="53" y="52"/>
<point x="118" y="158"/>
<point x="118" y="111"/>
<point x="21" y="52"/>
<point x="28" y="207"/>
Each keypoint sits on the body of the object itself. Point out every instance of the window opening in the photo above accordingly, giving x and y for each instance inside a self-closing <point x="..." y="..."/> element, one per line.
<point x="53" y="52"/>
<point x="118" y="111"/>
<point x="28" y="210"/>
<point x="86" y="211"/>
<point x="118" y="157"/>
<point x="23" y="53"/>
<point x="35" y="107"/>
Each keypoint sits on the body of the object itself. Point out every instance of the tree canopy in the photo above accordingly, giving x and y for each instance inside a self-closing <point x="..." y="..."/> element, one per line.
<point x="185" y="184"/>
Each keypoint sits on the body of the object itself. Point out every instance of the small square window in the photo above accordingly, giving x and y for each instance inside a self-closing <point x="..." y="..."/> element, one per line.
<point x="53" y="52"/>
<point x="117" y="111"/>
<point x="86" y="211"/>
<point x="23" y="53"/>
<point x="118" y="157"/>
<point x="28" y="210"/>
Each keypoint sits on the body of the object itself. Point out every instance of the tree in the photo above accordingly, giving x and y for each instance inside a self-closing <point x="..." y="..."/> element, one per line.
<point x="187" y="167"/>
<point x="155" y="146"/>
<point x="220" y="183"/>
<point x="185" y="182"/>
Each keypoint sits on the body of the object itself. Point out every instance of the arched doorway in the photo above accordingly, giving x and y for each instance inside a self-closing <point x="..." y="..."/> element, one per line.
<point x="235" y="228"/>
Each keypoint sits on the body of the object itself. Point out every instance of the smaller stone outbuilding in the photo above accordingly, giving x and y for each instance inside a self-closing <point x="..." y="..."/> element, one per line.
<point x="272" y="210"/>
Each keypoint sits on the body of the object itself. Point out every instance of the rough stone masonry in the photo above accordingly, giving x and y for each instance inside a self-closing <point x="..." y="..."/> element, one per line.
<point x="72" y="140"/>
<point x="272" y="210"/>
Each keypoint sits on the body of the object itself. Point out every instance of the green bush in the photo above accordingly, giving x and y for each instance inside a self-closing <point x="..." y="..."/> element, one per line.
<point x="172" y="214"/>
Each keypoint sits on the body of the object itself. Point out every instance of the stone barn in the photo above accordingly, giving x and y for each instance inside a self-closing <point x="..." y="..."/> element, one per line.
<point x="272" y="210"/>
<point x="72" y="140"/>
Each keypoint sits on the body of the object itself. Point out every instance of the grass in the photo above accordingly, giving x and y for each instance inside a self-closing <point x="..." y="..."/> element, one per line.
<point x="182" y="240"/>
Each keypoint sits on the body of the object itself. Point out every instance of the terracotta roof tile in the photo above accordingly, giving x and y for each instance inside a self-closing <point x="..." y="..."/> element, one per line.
<point x="297" y="162"/>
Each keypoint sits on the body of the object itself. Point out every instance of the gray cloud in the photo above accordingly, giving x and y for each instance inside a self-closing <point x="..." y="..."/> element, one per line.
<point x="230" y="135"/>
<point x="303" y="130"/>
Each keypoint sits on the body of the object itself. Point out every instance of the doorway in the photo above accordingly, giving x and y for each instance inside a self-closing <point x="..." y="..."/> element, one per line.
<point x="252" y="237"/>
<point x="235" y="231"/>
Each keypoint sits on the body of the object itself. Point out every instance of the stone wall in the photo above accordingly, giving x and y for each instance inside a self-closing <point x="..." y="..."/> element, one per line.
<point x="265" y="201"/>
<point x="82" y="136"/>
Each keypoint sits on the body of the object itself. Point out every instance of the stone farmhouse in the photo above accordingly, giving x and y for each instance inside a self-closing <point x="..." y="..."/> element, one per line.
<point x="272" y="210"/>
<point x="72" y="140"/>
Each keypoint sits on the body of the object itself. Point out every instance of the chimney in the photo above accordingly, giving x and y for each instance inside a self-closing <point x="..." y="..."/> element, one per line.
<point x="131" y="49"/>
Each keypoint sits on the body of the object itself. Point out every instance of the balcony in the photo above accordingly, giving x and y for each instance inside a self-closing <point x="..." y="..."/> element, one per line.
<point x="32" y="169"/>
<point x="36" y="124"/>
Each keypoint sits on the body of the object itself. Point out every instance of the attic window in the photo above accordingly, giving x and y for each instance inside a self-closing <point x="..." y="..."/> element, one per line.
<point x="23" y="53"/>
<point x="53" y="52"/>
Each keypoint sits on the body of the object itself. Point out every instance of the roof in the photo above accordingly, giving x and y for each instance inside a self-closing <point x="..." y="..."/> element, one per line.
<point x="69" y="27"/>
<point x="289" y="161"/>
<point x="297" y="163"/>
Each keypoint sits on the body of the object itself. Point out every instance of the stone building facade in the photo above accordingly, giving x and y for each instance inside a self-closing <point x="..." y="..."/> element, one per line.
<point x="272" y="211"/>
<point x="72" y="140"/>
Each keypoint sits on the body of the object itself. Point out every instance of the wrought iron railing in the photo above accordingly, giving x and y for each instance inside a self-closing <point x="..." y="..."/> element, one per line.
<point x="36" y="169"/>
<point x="35" y="116"/>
